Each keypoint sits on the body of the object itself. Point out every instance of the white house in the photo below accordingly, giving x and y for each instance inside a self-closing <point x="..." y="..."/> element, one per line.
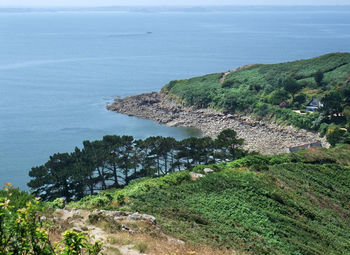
<point x="314" y="105"/>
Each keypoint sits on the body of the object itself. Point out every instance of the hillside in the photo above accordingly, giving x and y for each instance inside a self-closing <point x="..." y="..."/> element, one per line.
<point x="312" y="95"/>
<point x="269" y="91"/>
<point x="296" y="203"/>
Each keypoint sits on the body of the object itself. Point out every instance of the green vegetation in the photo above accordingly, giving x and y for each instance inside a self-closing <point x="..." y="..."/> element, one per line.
<point x="274" y="91"/>
<point x="21" y="231"/>
<point x="114" y="161"/>
<point x="296" y="203"/>
<point x="141" y="247"/>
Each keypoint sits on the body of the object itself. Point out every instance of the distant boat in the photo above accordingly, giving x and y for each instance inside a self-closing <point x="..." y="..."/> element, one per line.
<point x="149" y="32"/>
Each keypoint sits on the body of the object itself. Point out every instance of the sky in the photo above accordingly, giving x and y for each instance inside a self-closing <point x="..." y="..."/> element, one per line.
<point x="46" y="3"/>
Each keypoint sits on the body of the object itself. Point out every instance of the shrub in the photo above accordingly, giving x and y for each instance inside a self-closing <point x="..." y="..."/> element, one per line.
<point x="249" y="161"/>
<point x="323" y="129"/>
<point x="228" y="83"/>
<point x="200" y="168"/>
<point x="334" y="135"/>
<point x="278" y="96"/>
<point x="21" y="233"/>
<point x="141" y="247"/>
<point x="99" y="201"/>
<point x="279" y="159"/>
<point x="106" y="223"/>
<point x="259" y="167"/>
<point x="318" y="77"/>
<point x="120" y="198"/>
<point x="58" y="203"/>
<point x="18" y="198"/>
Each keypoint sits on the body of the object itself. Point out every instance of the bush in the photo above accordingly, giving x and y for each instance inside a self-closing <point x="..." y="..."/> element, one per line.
<point x="259" y="167"/>
<point x="21" y="233"/>
<point x="200" y="168"/>
<point x="120" y="199"/>
<point x="279" y="159"/>
<point x="18" y="198"/>
<point x="228" y="83"/>
<point x="318" y="77"/>
<point x="334" y="135"/>
<point x="249" y="161"/>
<point x="99" y="201"/>
<point x="58" y="203"/>
<point x="278" y="96"/>
<point x="323" y="129"/>
<point x="262" y="109"/>
<point x="300" y="99"/>
<point x="106" y="223"/>
<point x="141" y="247"/>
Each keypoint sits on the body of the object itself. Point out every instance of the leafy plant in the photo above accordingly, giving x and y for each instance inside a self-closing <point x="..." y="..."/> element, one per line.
<point x="21" y="232"/>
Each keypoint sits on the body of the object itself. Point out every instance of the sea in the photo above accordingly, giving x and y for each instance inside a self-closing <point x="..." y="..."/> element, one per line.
<point x="59" y="68"/>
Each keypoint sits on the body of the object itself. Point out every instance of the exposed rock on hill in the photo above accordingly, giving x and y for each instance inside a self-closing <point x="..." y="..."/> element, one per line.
<point x="260" y="136"/>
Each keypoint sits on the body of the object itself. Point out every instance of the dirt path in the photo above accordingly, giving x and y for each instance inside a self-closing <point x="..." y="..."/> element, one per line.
<point x="222" y="79"/>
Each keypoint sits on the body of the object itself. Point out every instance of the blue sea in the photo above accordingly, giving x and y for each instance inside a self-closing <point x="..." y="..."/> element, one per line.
<point x="59" y="68"/>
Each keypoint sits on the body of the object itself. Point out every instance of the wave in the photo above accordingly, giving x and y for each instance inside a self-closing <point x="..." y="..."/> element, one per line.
<point x="129" y="34"/>
<point x="79" y="130"/>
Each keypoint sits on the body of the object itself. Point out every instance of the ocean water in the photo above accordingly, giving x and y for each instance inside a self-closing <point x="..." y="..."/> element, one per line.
<point x="59" y="69"/>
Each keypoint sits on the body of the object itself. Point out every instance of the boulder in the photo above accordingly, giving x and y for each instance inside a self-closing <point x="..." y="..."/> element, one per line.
<point x="195" y="176"/>
<point x="208" y="171"/>
<point x="175" y="240"/>
<point x="77" y="229"/>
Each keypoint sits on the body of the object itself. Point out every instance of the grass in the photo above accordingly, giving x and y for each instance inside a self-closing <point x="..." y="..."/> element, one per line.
<point x="141" y="247"/>
<point x="295" y="203"/>
<point x="106" y="223"/>
<point x="112" y="251"/>
<point x="253" y="89"/>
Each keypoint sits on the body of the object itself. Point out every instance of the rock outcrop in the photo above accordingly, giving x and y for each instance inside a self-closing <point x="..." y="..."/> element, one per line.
<point x="260" y="136"/>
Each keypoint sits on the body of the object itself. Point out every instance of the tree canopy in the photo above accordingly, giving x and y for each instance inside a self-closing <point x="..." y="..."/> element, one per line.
<point x="116" y="160"/>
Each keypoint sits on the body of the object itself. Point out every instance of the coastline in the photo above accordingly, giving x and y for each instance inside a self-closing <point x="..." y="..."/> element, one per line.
<point x="260" y="136"/>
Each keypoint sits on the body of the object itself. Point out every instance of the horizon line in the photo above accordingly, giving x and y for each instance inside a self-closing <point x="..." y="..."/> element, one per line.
<point x="224" y="5"/>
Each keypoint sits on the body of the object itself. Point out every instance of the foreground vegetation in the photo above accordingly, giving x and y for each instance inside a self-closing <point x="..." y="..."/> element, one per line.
<point x="274" y="91"/>
<point x="295" y="203"/>
<point x="21" y="231"/>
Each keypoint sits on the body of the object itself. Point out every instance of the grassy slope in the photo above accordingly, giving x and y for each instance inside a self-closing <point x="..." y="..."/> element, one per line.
<point x="335" y="66"/>
<point x="243" y="205"/>
<point x="253" y="85"/>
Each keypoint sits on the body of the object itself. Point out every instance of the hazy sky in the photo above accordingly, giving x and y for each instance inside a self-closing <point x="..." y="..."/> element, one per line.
<point x="36" y="3"/>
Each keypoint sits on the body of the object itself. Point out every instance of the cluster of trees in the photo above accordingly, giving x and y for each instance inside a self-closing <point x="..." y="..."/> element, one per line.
<point x="336" y="116"/>
<point x="116" y="160"/>
<point x="337" y="102"/>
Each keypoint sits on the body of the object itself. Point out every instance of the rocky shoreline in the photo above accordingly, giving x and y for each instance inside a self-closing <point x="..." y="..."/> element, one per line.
<point x="260" y="136"/>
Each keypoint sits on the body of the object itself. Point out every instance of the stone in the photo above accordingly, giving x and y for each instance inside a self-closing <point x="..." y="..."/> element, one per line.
<point x="149" y="218"/>
<point x="208" y="170"/>
<point x="135" y="217"/>
<point x="77" y="229"/>
<point x="261" y="136"/>
<point x="195" y="176"/>
<point x="174" y="240"/>
<point x="125" y="228"/>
